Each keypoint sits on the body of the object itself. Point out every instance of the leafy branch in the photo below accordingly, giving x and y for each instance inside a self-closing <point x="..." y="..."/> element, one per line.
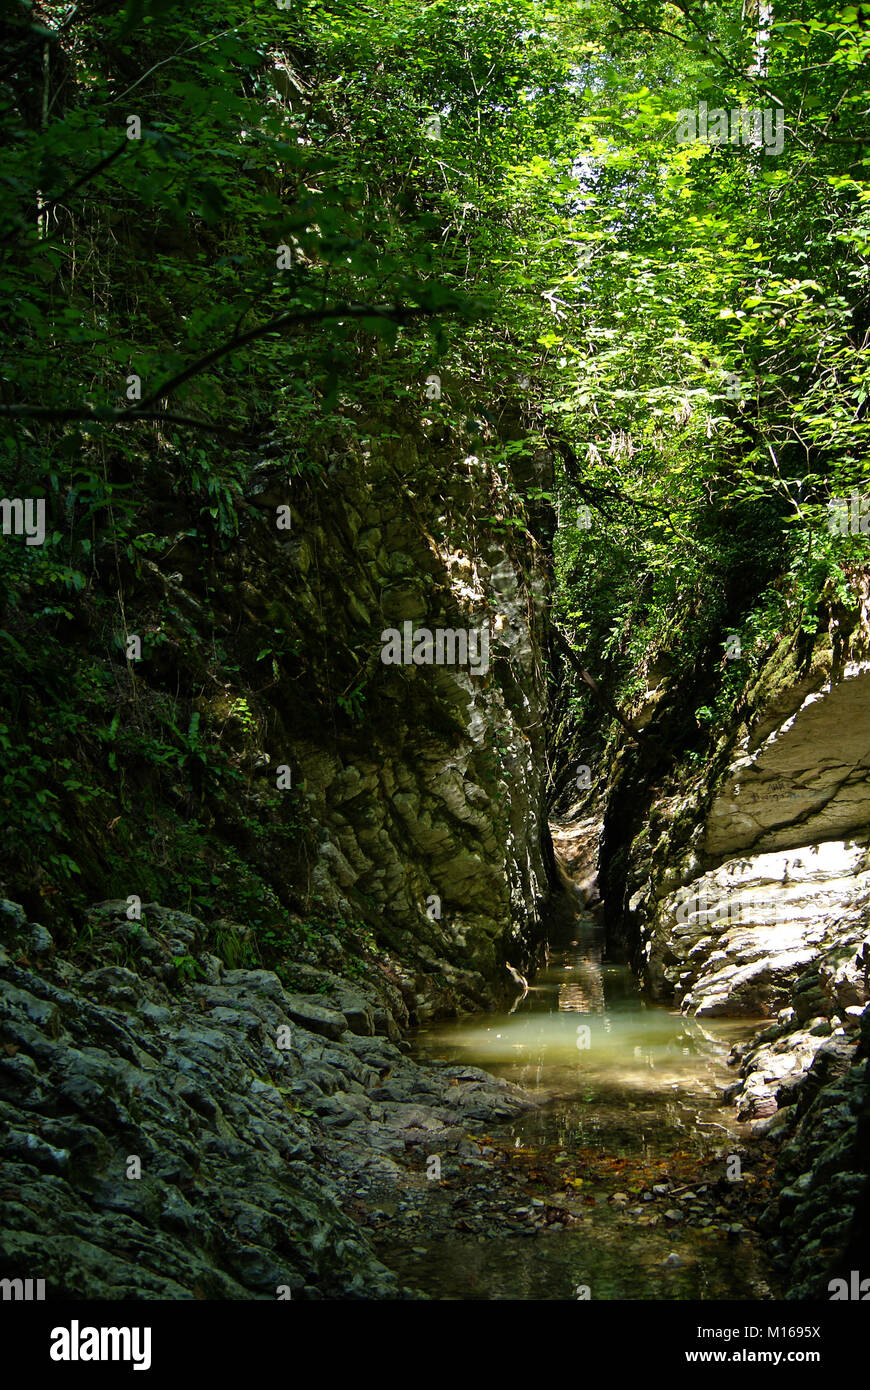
<point x="377" y="313"/>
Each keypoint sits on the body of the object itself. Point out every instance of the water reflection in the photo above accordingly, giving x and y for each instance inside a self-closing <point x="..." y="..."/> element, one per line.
<point x="587" y="1039"/>
<point x="622" y="1080"/>
<point x="584" y="991"/>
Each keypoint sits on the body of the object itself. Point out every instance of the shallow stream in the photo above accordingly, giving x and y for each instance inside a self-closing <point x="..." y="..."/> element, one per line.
<point x="632" y="1181"/>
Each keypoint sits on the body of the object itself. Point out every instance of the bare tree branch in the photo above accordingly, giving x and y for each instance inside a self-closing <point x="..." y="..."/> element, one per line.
<point x="73" y="187"/>
<point x="396" y="314"/>
<point x="108" y="415"/>
<point x="588" y="679"/>
<point x="142" y="411"/>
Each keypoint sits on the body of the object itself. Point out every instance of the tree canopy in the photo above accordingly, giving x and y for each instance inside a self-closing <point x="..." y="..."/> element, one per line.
<point x="228" y="230"/>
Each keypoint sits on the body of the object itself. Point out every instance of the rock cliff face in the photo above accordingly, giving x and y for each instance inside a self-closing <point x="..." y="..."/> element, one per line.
<point x="800" y="774"/>
<point x="750" y="895"/>
<point x="321" y="792"/>
<point x="431" y="807"/>
<point x="788" y="830"/>
<point x="737" y="938"/>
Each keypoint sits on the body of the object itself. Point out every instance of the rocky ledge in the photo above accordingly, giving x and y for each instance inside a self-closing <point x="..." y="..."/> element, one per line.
<point x="174" y="1129"/>
<point x="819" y="1221"/>
<point x="764" y="911"/>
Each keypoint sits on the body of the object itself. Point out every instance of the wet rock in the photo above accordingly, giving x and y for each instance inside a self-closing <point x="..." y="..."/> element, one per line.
<point x="314" y="1017"/>
<point x="40" y="940"/>
<point x="750" y="895"/>
<point x="161" y="1145"/>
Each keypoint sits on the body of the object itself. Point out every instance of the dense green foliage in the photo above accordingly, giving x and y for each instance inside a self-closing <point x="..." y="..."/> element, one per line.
<point x="713" y="372"/>
<point x="266" y="270"/>
<point x="279" y="256"/>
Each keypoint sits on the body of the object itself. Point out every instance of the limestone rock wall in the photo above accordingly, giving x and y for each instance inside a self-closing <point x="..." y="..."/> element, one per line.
<point x="430" y="808"/>
<point x="802" y="774"/>
<point x="748" y="892"/>
<point x="787" y="836"/>
<point x="258" y="763"/>
<point x="418" y="788"/>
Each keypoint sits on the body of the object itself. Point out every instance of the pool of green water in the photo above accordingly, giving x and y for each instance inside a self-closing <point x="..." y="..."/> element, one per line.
<point x="631" y="1092"/>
